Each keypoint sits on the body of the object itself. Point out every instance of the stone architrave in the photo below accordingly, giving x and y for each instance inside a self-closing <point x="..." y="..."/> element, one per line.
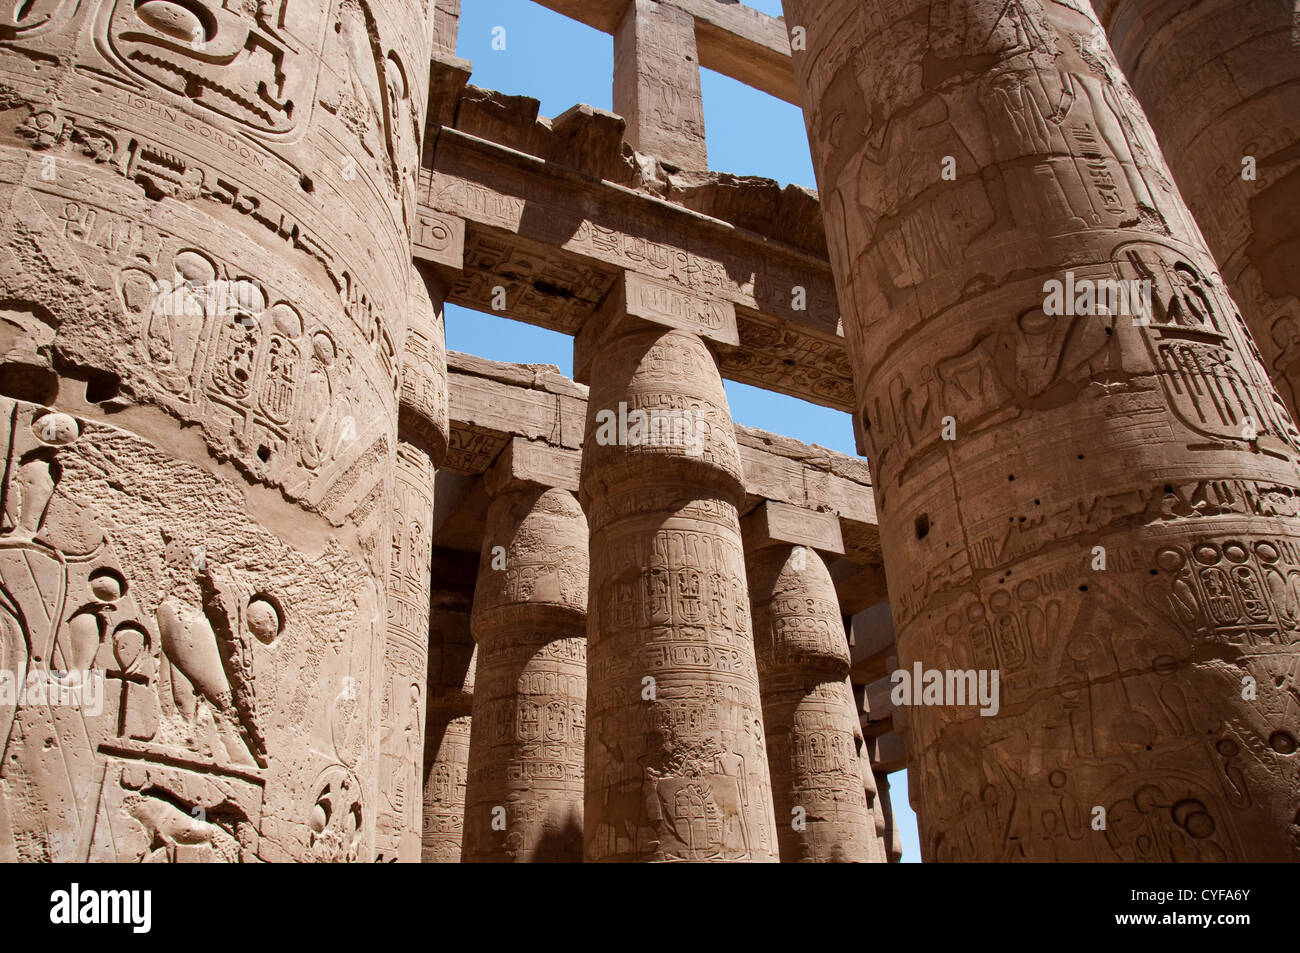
<point x="819" y="793"/>
<point x="524" y="797"/>
<point x="1220" y="82"/>
<point x="1097" y="506"/>
<point x="421" y="445"/>
<point x="205" y="211"/>
<point x="676" y="765"/>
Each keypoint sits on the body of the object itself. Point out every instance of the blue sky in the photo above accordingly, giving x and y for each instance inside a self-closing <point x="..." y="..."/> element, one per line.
<point x="561" y="62"/>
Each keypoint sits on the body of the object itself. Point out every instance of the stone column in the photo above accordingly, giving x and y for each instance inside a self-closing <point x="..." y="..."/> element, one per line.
<point x="818" y="787"/>
<point x="421" y="445"/>
<point x="1095" y="508"/>
<point x="205" y="215"/>
<point x="523" y="802"/>
<point x="657" y="83"/>
<point x="892" y="845"/>
<point x="676" y="766"/>
<point x="1220" y="82"/>
<point x="451" y="693"/>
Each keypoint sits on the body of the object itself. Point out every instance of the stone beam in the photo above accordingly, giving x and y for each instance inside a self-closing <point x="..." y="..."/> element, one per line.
<point x="551" y="240"/>
<point x="733" y="39"/>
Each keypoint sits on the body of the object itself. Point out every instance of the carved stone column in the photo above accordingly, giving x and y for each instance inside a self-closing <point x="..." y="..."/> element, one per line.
<point x="422" y="444"/>
<point x="1096" y="509"/>
<point x="657" y="83"/>
<point x="451" y="693"/>
<point x="524" y="798"/>
<point x="1220" y="82"/>
<point x="676" y="766"/>
<point x="818" y="788"/>
<point x="205" y="215"/>
<point x="893" y="846"/>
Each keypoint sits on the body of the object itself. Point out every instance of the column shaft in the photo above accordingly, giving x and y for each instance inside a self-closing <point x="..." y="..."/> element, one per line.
<point x="422" y="442"/>
<point x="818" y="787"/>
<point x="524" y="795"/>
<point x="1087" y="505"/>
<point x="1220" y="82"/>
<point x="676" y="766"/>
<point x="451" y="690"/>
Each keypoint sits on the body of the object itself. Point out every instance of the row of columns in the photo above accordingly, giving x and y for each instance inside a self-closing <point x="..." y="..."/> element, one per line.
<point x="627" y="716"/>
<point x="1123" y="608"/>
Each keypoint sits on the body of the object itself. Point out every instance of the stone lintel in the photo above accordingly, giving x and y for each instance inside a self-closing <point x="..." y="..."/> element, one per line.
<point x="637" y="297"/>
<point x="556" y="239"/>
<point x="773" y="524"/>
<point x="532" y="461"/>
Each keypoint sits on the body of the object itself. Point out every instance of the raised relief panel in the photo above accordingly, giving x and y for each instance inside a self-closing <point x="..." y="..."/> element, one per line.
<point x="250" y="63"/>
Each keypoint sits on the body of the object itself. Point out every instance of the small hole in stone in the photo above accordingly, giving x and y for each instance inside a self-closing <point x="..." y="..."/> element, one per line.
<point x="102" y="386"/>
<point x="1154" y="572"/>
<point x="264" y="453"/>
<point x="922" y="526"/>
<point x="307" y="184"/>
<point x="1011" y="477"/>
<point x="1169" y="488"/>
<point x="1083" y="588"/>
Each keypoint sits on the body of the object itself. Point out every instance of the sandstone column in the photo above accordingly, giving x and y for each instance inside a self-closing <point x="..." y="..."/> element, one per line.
<point x="1220" y="82"/>
<point x="422" y="444"/>
<point x="1100" y="511"/>
<point x="657" y="83"/>
<point x="523" y="801"/>
<point x="892" y="845"/>
<point x="451" y="694"/>
<point x="204" y="259"/>
<point x="818" y="785"/>
<point x="676" y="766"/>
